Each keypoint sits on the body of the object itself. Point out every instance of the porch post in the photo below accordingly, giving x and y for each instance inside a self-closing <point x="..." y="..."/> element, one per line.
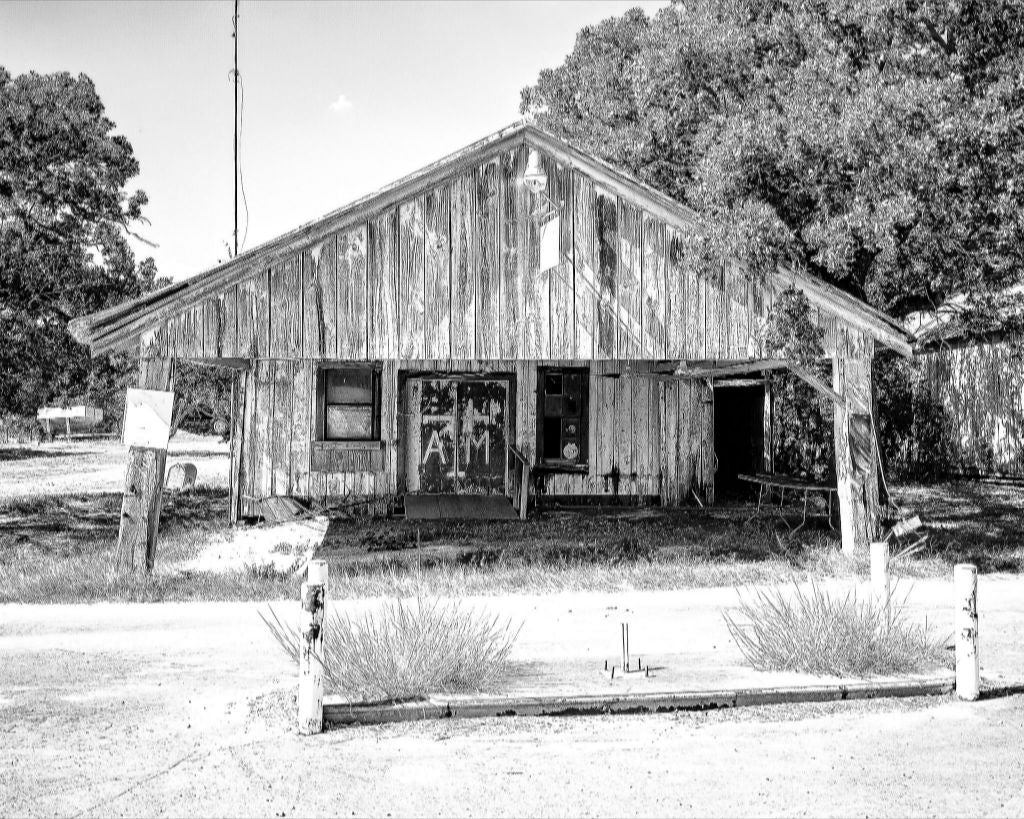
<point x="856" y="456"/>
<point x="144" y="483"/>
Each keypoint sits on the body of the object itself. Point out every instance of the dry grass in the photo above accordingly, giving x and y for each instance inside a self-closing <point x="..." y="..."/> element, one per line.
<point x="55" y="546"/>
<point x="814" y="632"/>
<point x="407" y="649"/>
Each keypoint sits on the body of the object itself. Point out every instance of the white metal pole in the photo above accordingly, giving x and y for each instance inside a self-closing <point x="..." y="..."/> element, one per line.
<point x="313" y="596"/>
<point x="965" y="591"/>
<point x="880" y="568"/>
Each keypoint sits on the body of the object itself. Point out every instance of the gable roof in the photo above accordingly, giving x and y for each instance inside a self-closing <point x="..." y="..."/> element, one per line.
<point x="120" y="327"/>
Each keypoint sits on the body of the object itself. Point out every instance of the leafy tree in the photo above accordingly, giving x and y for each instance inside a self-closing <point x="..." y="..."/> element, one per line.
<point x="878" y="144"/>
<point x="65" y="214"/>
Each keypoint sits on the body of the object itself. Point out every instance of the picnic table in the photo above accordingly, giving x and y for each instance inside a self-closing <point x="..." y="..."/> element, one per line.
<point x="768" y="484"/>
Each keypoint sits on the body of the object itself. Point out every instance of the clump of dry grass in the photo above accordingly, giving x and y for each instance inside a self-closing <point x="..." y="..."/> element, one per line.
<point x="814" y="632"/>
<point x="407" y="649"/>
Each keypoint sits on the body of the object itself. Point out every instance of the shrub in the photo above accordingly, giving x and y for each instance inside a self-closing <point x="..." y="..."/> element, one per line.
<point x="18" y="429"/>
<point x="408" y="649"/>
<point x="812" y="632"/>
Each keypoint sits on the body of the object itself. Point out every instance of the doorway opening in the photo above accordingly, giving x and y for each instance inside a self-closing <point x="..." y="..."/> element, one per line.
<point x="739" y="436"/>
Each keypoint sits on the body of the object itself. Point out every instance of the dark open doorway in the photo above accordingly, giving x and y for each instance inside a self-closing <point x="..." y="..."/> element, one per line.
<point x="739" y="437"/>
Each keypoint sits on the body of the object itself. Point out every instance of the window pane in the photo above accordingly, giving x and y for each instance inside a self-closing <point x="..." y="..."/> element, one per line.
<point x="349" y="422"/>
<point x="552" y="441"/>
<point x="349" y="386"/>
<point x="553" y="383"/>
<point x="553" y="406"/>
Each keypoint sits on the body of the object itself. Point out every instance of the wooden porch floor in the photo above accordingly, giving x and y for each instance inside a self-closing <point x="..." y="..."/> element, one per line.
<point x="465" y="507"/>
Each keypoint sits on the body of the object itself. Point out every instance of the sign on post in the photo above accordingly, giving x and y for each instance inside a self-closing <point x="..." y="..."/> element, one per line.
<point x="147" y="418"/>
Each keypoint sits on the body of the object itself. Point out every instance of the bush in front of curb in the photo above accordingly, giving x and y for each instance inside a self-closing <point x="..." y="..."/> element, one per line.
<point x="816" y="633"/>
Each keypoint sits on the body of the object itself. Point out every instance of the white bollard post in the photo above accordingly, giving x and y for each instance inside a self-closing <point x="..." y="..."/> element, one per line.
<point x="965" y="591"/>
<point x="313" y="597"/>
<point x="880" y="568"/>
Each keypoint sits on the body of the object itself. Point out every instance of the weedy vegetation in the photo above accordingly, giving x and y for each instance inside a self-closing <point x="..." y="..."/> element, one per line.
<point x="407" y="649"/>
<point x="814" y="632"/>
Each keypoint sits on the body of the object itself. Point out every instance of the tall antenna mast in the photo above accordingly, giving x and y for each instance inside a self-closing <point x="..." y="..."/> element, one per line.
<point x="234" y="74"/>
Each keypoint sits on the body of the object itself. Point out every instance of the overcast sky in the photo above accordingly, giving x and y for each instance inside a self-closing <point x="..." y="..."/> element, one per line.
<point x="340" y="98"/>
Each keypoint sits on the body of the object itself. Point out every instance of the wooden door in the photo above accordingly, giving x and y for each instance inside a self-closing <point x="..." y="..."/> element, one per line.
<point x="482" y="455"/>
<point x="456" y="440"/>
<point x="437" y="453"/>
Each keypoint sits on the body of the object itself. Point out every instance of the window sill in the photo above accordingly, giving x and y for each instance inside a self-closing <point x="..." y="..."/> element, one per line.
<point x="347" y="456"/>
<point x="353" y="445"/>
<point x="555" y="467"/>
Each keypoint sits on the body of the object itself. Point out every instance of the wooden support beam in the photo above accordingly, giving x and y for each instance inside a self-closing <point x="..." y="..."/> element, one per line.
<point x="144" y="482"/>
<point x="724" y="369"/>
<point x="856" y="473"/>
<point x="817" y="383"/>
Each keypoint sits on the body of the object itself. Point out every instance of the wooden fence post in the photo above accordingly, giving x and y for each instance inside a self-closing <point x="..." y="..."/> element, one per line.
<point x="856" y="470"/>
<point x="144" y="484"/>
<point x="313" y="596"/>
<point x="965" y="592"/>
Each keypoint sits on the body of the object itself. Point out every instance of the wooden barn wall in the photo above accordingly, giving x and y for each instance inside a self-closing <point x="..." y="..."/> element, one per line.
<point x="648" y="436"/>
<point x="981" y="390"/>
<point x="456" y="272"/>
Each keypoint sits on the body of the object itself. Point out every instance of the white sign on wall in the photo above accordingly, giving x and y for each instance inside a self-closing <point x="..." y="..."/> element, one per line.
<point x="147" y="418"/>
<point x="549" y="234"/>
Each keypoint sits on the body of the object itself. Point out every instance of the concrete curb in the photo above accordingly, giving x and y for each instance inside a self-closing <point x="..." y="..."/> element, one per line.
<point x="341" y="713"/>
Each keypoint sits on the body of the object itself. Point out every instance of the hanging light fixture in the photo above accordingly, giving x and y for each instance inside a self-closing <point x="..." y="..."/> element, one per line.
<point x="535" y="178"/>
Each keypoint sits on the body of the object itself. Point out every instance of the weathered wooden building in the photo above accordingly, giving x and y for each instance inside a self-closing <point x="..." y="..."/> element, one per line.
<point x="518" y="303"/>
<point x="978" y="384"/>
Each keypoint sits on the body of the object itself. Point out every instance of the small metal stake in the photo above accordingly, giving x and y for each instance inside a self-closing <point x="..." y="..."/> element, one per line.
<point x="625" y="646"/>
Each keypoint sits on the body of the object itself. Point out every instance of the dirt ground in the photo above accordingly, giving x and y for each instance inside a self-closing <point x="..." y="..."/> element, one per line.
<point x="187" y="708"/>
<point x="97" y="466"/>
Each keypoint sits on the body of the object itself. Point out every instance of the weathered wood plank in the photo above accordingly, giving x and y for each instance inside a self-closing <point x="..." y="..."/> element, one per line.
<point x="587" y="291"/>
<point x="629" y="308"/>
<point x="319" y="300"/>
<point x="655" y="289"/>
<point x="536" y="291"/>
<point x="560" y="277"/>
<point x="437" y="273"/>
<point x="608" y="253"/>
<point x="281" y="444"/>
<point x="623" y="434"/>
<point x="382" y="286"/>
<point x="301" y="428"/>
<point x="487" y="217"/>
<point x="387" y="482"/>
<point x="676" y="296"/>
<point x="463" y="268"/>
<point x="642" y="439"/>
<point x="285" y="309"/>
<point x="235" y="477"/>
<point x="512" y="220"/>
<point x="668" y="405"/>
<point x="412" y="339"/>
<point x="213" y="333"/>
<point x="262" y="428"/>
<point x="353" y="301"/>
<point x="260" y="306"/>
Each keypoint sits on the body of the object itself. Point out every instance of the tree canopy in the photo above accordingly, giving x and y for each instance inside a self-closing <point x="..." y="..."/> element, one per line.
<point x="878" y="144"/>
<point x="65" y="214"/>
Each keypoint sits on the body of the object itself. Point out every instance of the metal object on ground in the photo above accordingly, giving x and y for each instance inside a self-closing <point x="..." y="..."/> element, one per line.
<point x="181" y="476"/>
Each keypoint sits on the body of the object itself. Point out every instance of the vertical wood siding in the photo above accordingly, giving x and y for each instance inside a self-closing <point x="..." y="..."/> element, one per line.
<point x="454" y="277"/>
<point x="981" y="391"/>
